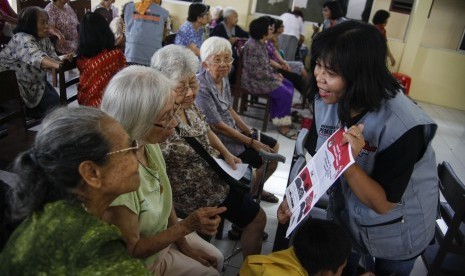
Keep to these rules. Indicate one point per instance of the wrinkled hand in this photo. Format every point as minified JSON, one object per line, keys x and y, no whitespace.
{"x":68,"y":57}
{"x":283,"y":213}
{"x":286,"y":66}
{"x":204,"y":220}
{"x":232,"y":160}
{"x":232,"y":39}
{"x":354,"y":137}
{"x":197,"y":255}
{"x":257,"y":145}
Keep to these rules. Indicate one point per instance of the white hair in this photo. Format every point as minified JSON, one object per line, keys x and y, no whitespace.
{"x":228,"y":11}
{"x":216,"y":12}
{"x":175,"y":62}
{"x":134,"y":97}
{"x":214,"y":45}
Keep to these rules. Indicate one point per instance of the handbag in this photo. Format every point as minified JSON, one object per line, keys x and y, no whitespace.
{"x":242,"y":185}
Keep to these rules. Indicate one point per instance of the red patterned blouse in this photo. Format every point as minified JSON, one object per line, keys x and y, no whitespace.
{"x":95,"y":73}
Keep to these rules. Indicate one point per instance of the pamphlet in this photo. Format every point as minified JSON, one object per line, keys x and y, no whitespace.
{"x":330,"y":161}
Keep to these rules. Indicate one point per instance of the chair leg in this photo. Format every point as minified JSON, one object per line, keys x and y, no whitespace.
{"x":267,"y":115}
{"x":54,"y":77}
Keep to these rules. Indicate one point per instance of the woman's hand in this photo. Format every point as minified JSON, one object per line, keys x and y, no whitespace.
{"x":68,"y":57}
{"x":354,"y":137}
{"x":283,"y":213}
{"x":232,"y":160}
{"x":204,"y":220}
{"x":286,"y":66}
{"x":257,"y":146}
{"x":196,"y":254}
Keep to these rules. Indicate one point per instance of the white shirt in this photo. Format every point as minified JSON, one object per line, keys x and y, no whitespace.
{"x":293,"y":25}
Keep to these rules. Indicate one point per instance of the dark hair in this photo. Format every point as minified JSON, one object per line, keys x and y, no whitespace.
{"x":321,"y":245}
{"x":94,"y":35}
{"x":335,"y":8}
{"x":196,"y":10}
{"x":357,"y":52}
{"x":258,"y":28}
{"x":27,"y":21}
{"x":48,"y":172}
{"x":278,"y":23}
{"x":105,"y":13}
{"x":298,"y":12}
{"x":381,"y":17}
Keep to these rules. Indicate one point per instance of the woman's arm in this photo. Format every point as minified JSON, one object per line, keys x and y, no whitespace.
{"x":367,"y":190}
{"x":204,"y":220}
{"x":54,"y":31}
{"x":194,"y":49}
{"x":50,"y":63}
{"x":239,"y":122}
{"x":218,"y":145}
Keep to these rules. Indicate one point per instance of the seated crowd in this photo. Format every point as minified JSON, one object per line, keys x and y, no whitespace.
{"x":105,"y":184}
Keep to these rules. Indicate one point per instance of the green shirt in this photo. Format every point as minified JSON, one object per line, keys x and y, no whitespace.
{"x":64,"y":239}
{"x":153,"y":201}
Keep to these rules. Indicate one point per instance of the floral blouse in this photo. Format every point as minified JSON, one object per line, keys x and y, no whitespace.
{"x":24,"y":54}
{"x":257,"y":74}
{"x":188,"y":35}
{"x":65,"y":20}
{"x":193,"y":182}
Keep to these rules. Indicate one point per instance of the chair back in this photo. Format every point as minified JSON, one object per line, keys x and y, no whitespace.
{"x":10,"y":98}
{"x":299,"y":155}
{"x":22,"y":4}
{"x":169,"y":39}
{"x":80,"y":7}
{"x":67,"y":65}
{"x":447,"y":255}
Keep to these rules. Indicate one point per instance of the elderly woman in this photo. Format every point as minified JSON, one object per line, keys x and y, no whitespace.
{"x":98,"y":59}
{"x":29,"y":53}
{"x":259,"y":77}
{"x":65,"y":185}
{"x":64,"y":25}
{"x":214,"y":100}
{"x":146,"y":217}
{"x":145,"y":27}
{"x":228,"y":28}
{"x":192,"y":31}
{"x":195,"y":184}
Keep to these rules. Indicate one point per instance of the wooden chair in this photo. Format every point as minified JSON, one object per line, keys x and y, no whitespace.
{"x":11,"y":103}
{"x":80,"y":7}
{"x":248,"y":99}
{"x":64,"y":84}
{"x":447,"y":255}
{"x":22,"y":4}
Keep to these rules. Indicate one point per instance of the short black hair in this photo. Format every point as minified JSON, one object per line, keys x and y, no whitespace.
{"x":381,"y":17}
{"x":196,"y":10}
{"x":321,"y":245}
{"x":94,"y":35}
{"x":357,"y":52}
{"x":258,"y":28}
{"x":335,"y":8}
{"x":278,"y":23}
{"x":27,"y":21}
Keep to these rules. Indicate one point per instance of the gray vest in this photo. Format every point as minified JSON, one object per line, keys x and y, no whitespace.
{"x":405,"y":231}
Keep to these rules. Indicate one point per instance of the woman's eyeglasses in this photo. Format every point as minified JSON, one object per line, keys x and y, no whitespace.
{"x":169,"y":119}
{"x":182,"y":90}
{"x":134,"y":147}
{"x":220,"y":61}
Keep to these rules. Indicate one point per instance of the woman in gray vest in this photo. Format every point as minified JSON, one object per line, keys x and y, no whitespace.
{"x":388,"y":199}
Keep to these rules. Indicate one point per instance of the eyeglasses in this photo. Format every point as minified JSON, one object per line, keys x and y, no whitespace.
{"x":134,"y":147}
{"x":182,"y":90}
{"x":225,"y":61}
{"x":170,"y":120}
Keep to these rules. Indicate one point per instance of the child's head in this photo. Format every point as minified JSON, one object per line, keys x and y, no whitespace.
{"x":322,"y":246}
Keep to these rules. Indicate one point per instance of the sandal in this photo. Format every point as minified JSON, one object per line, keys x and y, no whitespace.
{"x":235,"y":233}
{"x":268,"y":197}
{"x":289,"y":133}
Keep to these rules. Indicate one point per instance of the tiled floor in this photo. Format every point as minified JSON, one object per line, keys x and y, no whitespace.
{"x":449,"y":145}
